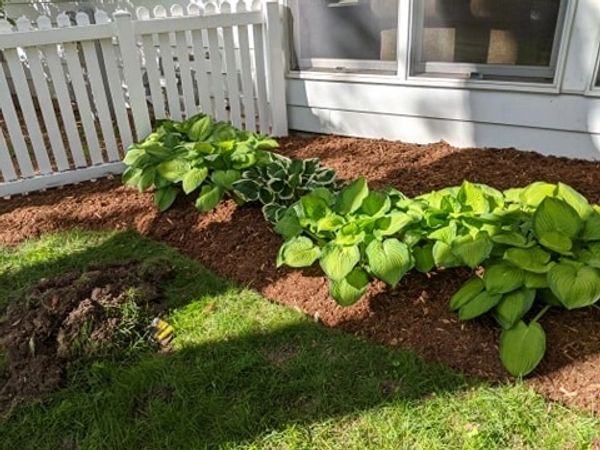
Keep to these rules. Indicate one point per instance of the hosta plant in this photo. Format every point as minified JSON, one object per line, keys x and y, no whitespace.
{"x":197,"y":155}
{"x":352,"y":236}
{"x":281,"y":182}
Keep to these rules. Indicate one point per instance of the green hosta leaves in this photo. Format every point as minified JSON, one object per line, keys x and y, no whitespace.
{"x":535,"y":280}
{"x":225,"y":178}
{"x":350,"y":289}
{"x":209,"y":198}
{"x":513,"y":307}
{"x":424,"y":258}
{"x":298,"y":252}
{"x":535,"y":193}
{"x":502,"y":278}
{"x":591,"y":255}
{"x":480,"y":304}
{"x":193,"y":179}
{"x":531,"y":259}
{"x":351,"y":198}
{"x":511,"y":238}
{"x":201,"y":129}
{"x":391,"y":224}
{"x":289,"y":226}
{"x":375,"y":204}
{"x":389,"y":260}
{"x":472,"y":250}
{"x":522,"y":348}
{"x":591,"y":229}
{"x":338,"y":261}
{"x":555,"y":216}
{"x":164,"y":197}
{"x":443,"y":256}
{"x":577,"y":201}
{"x":474,"y":198}
{"x":466,"y":293}
{"x":173,"y":170}
{"x":574,"y":284}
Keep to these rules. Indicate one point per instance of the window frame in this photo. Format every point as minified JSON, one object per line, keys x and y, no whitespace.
{"x":341,"y":65}
{"x":459,"y":70}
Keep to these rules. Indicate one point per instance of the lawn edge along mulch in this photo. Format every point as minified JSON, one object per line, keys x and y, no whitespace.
{"x":237,"y":243}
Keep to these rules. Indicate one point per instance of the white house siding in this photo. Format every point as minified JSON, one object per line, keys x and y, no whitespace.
{"x":562,"y":119}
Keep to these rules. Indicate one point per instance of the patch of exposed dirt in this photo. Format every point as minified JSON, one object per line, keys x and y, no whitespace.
{"x":75,"y":317}
{"x":237,"y":243}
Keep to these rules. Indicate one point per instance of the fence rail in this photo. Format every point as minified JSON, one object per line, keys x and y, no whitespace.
{"x":74,"y":97}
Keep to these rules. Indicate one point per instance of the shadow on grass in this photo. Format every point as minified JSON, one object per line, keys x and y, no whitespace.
{"x":241,"y":368}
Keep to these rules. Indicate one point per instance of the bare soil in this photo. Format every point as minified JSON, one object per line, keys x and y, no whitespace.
{"x":73,"y":318}
{"x":237,"y":243}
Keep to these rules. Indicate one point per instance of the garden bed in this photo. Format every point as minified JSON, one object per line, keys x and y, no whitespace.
{"x":237,"y":243}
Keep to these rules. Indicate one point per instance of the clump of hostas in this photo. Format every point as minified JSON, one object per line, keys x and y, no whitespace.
{"x":281,"y":182}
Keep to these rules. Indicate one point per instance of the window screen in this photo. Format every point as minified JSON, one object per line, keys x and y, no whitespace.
{"x":336,"y":33}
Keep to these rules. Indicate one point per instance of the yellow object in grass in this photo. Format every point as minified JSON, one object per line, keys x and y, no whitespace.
{"x":162,"y":332}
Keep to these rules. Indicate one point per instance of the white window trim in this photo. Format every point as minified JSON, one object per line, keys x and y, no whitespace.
{"x":339,"y":64}
{"x":403,"y":77}
{"x":593,"y":90}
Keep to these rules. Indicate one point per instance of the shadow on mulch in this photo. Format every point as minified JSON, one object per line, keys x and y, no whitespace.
{"x":237,"y":243}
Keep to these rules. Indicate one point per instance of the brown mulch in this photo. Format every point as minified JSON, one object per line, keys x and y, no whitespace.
{"x":75,"y":317}
{"x":237,"y":243}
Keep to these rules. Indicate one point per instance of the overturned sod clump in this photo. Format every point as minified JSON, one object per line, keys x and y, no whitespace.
{"x":102,"y":313}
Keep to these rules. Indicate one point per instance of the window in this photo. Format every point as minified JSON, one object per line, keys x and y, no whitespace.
{"x":345,"y":35}
{"x":487,"y":39}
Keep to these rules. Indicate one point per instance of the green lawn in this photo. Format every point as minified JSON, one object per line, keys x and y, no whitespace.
{"x":249,"y":374}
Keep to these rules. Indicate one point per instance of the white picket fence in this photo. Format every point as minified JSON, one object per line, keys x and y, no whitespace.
{"x":74,"y":97}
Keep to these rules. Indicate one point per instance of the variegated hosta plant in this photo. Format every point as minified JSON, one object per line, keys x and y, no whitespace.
{"x":281,"y":182}
{"x":195,"y":155}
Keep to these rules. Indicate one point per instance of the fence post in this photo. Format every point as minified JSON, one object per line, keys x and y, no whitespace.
{"x":132,"y":71}
{"x":276,"y":67}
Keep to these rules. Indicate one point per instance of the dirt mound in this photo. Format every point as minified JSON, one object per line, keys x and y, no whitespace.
{"x":76,"y":317}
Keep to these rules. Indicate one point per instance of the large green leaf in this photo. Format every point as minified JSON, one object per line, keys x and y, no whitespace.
{"x":424,"y":257}
{"x":471,"y":289}
{"x":288,"y":226}
{"x":200,"y":129}
{"x":531,"y":259}
{"x":554,"y":215}
{"x":536,"y":280}
{"x":193,"y":179}
{"x":392,"y":223}
{"x":472,"y":250}
{"x":480,"y":304}
{"x":173,"y":170}
{"x":315,"y":207}
{"x":591,"y":255}
{"x":351,"y":197}
{"x":577,"y":201}
{"x":209,"y":197}
{"x":513,"y":307}
{"x":389,"y":260}
{"x":132,"y":155}
{"x":298,"y":252}
{"x":146,"y":179}
{"x":575,"y":285}
{"x":591,"y":229}
{"x":445,"y":234}
{"x":443,"y":256}
{"x":557,"y":241}
{"x":501,"y":278}
{"x":225,"y":178}
{"x":376,"y":204}
{"x":473,"y":197}
{"x":164,"y":197}
{"x":511,"y":238}
{"x":522,"y":348}
{"x":537,"y":192}
{"x":338,"y":261}
{"x":350,"y":289}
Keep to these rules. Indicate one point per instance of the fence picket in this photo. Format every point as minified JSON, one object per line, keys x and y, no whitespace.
{"x":98,"y":92}
{"x":249,"y":111}
{"x":185,"y":69}
{"x":115,"y":85}
{"x":44,"y":100}
{"x":259,"y":79}
{"x":57,"y":77}
{"x":81,"y":95}
{"x":26,"y":103}
{"x":7,"y":168}
{"x":200,"y":65}
{"x":231,"y":71}
{"x":216,"y":66}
